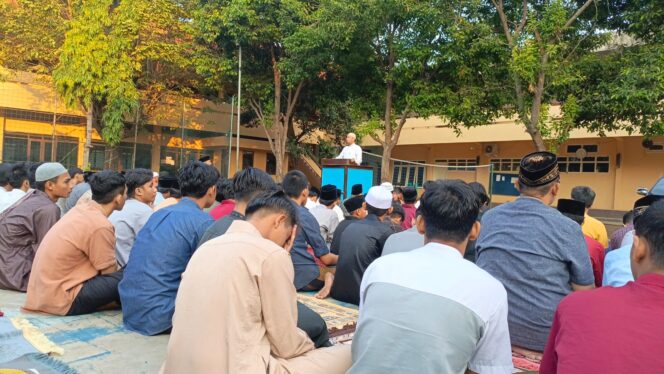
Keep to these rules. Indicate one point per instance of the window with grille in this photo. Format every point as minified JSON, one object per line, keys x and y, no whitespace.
{"x":459,"y":164}
{"x":407,"y":174}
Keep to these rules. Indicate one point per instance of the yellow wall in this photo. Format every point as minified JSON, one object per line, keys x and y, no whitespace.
{"x":615,"y":190}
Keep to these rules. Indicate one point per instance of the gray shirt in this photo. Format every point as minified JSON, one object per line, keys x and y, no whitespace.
{"x":328,"y":220}
{"x":403,"y":241}
{"x":128,"y":222}
{"x":536,"y":253}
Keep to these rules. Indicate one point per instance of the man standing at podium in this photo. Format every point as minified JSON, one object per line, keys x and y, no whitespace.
{"x":351,"y":151}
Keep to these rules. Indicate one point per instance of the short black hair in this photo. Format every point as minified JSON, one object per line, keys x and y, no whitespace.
{"x":73,"y":171}
{"x":4,"y":173}
{"x":397,"y":189}
{"x":650,"y":227}
{"x":294,"y":183}
{"x":375,"y":211}
{"x":18,"y":174}
{"x":224,"y":189}
{"x":427,"y":184}
{"x":411,"y":193}
{"x":628,"y":218}
{"x":32,"y":168}
{"x":397,"y":210}
{"x":249,"y":182}
{"x":106,"y":185}
{"x":134,"y":178}
{"x":273,"y":201}
{"x":195,"y":179}
{"x":449,"y":208}
{"x":480,"y":191}
{"x":314,"y":191}
{"x":584,"y":194}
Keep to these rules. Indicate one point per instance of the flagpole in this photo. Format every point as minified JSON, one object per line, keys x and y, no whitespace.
{"x":239,"y":99}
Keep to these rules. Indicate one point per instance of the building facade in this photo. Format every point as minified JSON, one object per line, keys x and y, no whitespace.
{"x":35,"y":125}
{"x":614,"y":165}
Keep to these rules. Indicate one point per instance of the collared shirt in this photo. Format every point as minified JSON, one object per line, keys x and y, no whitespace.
{"x":308,"y":234}
{"x":9,"y":198}
{"x":618,"y":236}
{"x":311,"y":204}
{"x":336,"y":240}
{"x":448,"y":314}
{"x":609,"y":330}
{"x":596,"y":252}
{"x":160,"y":254}
{"x":22,"y":228}
{"x":327,"y":220}
{"x":223,"y":209}
{"x":220,"y":227}
{"x":128,"y":222}
{"x":352,"y":152}
{"x":617,"y":265}
{"x":76,"y":249}
{"x":361,"y":243}
{"x":596,"y":230}
{"x":340,"y":212}
{"x":536,"y":253}
{"x":409,"y":214}
{"x":236,"y":308}
{"x":403,"y":241}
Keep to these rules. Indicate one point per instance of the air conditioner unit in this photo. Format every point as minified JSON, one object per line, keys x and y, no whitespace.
{"x":655,"y":148}
{"x":491,"y":149}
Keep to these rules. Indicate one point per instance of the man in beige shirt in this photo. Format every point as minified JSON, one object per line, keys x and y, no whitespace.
{"x":246,"y":320}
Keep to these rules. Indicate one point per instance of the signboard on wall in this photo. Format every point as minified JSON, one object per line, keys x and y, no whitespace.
{"x":504,"y":184}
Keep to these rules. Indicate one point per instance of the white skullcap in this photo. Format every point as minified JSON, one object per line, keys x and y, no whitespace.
{"x":379,"y":197}
{"x":388,"y":186}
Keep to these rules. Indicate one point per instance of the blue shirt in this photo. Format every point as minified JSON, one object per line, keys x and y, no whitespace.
{"x":160,"y":255}
{"x":308,"y":234}
{"x":617,"y":265}
{"x":535,"y":252}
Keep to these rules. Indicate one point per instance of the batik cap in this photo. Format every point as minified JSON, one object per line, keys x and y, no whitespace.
{"x":538,"y":169}
{"x":642,"y":204}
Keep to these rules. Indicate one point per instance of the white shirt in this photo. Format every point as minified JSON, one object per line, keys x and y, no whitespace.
{"x":455,"y":317}
{"x":310,"y":204}
{"x":339,"y":212}
{"x":8,"y":199}
{"x":352,"y":152}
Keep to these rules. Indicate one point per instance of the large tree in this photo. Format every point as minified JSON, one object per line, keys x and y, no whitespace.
{"x":283,"y":55}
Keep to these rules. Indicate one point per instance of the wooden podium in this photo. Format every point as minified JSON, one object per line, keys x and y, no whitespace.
{"x":344,"y":173}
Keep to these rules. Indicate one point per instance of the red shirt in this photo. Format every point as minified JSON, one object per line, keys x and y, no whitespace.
{"x":409,"y":213}
{"x":609,"y":330}
{"x":223,"y":209}
{"x":596,"y":252}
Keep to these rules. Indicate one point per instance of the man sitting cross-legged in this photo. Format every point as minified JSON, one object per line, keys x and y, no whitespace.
{"x":428,"y":310}
{"x":75,"y":271}
{"x":245,"y":321}
{"x":616,"y":329}
{"x":162,"y":250}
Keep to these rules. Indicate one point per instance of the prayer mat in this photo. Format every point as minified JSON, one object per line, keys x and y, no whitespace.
{"x":19,"y":337}
{"x":341,"y":320}
{"x":36,"y":363}
{"x":525,"y":359}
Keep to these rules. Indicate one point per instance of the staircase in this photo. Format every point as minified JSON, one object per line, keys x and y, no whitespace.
{"x":309,"y":167}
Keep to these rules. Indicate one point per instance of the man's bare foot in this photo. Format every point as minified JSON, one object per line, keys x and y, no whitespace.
{"x":325,"y":291}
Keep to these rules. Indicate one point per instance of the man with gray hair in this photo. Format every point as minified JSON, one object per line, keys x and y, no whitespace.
{"x":25,"y":224}
{"x":592,"y":227}
{"x":351,"y":151}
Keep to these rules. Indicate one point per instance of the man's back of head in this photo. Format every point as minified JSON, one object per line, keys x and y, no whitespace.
{"x":109,"y":188}
{"x":249,"y":182}
{"x":584,"y":194}
{"x":448,"y":211}
{"x":295,"y":183}
{"x":19,"y":177}
{"x":197,"y":181}
{"x":648,"y":248}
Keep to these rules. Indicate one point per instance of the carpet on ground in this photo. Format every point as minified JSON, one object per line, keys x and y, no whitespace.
{"x":341,"y":318}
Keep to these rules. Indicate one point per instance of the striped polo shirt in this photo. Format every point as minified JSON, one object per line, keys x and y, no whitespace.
{"x":431,"y":311}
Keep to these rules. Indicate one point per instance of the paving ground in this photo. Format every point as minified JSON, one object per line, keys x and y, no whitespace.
{"x":95,"y":343}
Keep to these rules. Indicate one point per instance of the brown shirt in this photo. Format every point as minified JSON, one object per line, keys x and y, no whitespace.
{"x":22,"y":228}
{"x":76,"y":249}
{"x":236,"y":310}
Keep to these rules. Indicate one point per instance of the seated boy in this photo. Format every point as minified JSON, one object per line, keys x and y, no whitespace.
{"x":445,"y":314}
{"x":246,"y":320}
{"x":75,"y":271}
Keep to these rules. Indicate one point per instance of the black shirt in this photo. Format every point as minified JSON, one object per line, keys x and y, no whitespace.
{"x":361,"y":243}
{"x":220,"y":227}
{"x":336,"y":239}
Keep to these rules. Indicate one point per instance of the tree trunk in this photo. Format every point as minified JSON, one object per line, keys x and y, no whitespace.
{"x":280,"y":167}
{"x":385,"y":165}
{"x":88,"y":136}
